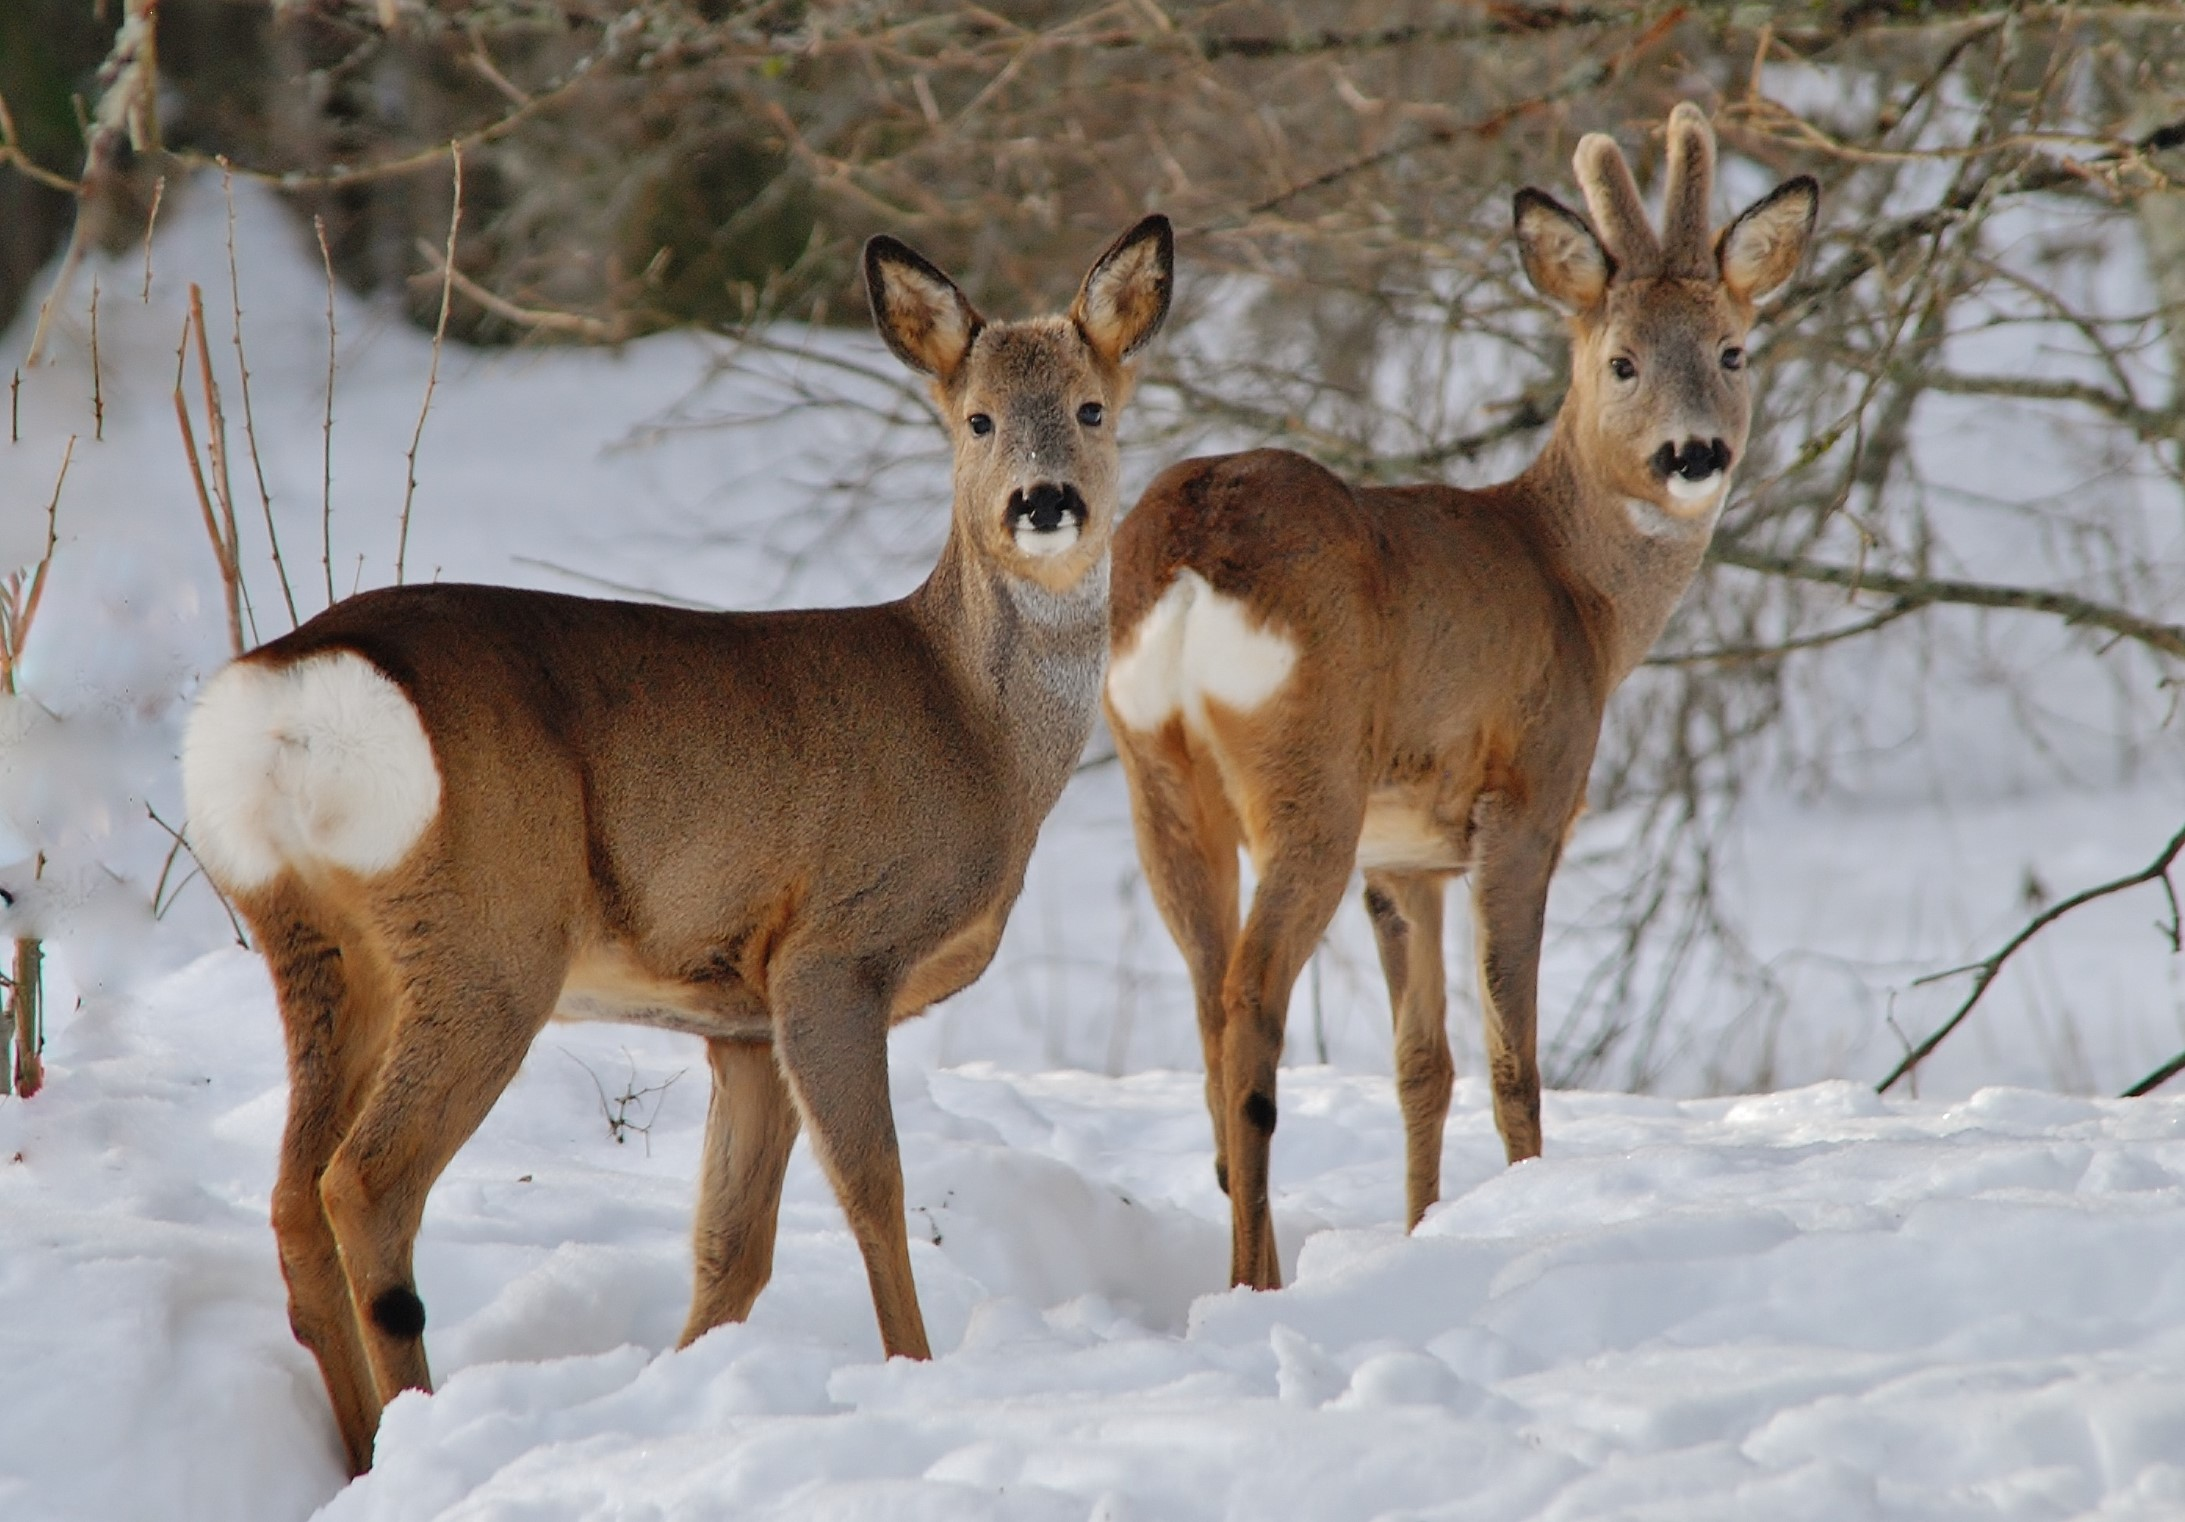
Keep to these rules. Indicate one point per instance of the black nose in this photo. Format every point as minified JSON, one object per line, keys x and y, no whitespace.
{"x":1046,"y":507}
{"x":1696,"y":461}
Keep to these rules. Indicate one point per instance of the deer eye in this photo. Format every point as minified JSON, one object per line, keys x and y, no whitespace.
{"x":1622,"y":368}
{"x":981,"y":424}
{"x":1089,"y":414}
{"x":1733,"y":358}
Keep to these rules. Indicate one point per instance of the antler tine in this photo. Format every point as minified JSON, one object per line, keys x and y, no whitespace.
{"x":1618,"y":214}
{"x":1687,"y":217}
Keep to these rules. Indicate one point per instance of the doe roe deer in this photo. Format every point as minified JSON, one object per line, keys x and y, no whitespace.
{"x":449,"y":812}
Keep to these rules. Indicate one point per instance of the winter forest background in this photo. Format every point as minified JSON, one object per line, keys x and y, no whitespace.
{"x":562,"y":294}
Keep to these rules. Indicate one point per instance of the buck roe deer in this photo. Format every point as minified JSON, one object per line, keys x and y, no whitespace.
{"x":451,"y":812}
{"x":1411,"y":679}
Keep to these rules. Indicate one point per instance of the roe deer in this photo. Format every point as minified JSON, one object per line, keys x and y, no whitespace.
{"x":449,"y":813}
{"x":1411,"y":679}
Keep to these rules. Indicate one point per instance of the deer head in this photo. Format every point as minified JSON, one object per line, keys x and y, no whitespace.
{"x":1659,"y":401}
{"x":1029,"y":405}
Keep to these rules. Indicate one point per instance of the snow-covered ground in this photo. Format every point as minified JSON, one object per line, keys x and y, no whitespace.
{"x":1811,"y":1303}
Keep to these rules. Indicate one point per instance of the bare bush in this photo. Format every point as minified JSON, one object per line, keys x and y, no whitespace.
{"x":1998,"y":270}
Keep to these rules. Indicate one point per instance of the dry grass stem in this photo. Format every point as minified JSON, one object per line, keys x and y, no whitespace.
{"x":250,"y":422}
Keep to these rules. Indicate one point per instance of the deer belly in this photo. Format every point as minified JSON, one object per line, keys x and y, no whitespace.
{"x":1401,"y":834}
{"x":609,"y":986}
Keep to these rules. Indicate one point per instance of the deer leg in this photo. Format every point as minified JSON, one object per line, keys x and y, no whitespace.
{"x":751,"y":1123}
{"x":1187,"y":839}
{"x":333,"y":1017}
{"x":1509,"y":907}
{"x":1407,"y":926}
{"x":1290,"y":910}
{"x":461,"y":1030}
{"x":831,"y":1032}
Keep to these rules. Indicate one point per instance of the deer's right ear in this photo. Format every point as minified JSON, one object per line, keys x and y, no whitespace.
{"x":926,"y":321}
{"x":1563,"y":259}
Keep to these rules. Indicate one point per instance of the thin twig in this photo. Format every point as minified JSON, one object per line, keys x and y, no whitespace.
{"x":432,"y":374}
{"x":326,"y":448}
{"x":1922,"y":590}
{"x":250,"y":424}
{"x":18,"y":606}
{"x":151,"y":221}
{"x":98,"y":395}
{"x":1985,"y":971}
{"x":2156,"y":1079}
{"x":242,"y":937}
{"x":1724,"y":654}
{"x":230,"y":580}
{"x":538,"y":319}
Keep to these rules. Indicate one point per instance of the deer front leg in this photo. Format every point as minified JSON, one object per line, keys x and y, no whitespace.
{"x":751,"y":1124}
{"x":1517,"y":856}
{"x":831,"y":1031}
{"x":1407,"y":926}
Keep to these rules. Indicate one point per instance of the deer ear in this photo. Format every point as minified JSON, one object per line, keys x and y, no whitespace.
{"x":1563,"y":259}
{"x":1761,"y":249}
{"x":926,"y":321}
{"x":1124,"y":299}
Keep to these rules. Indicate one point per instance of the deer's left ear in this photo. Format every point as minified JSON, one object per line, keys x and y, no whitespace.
{"x":1761,"y":249}
{"x":1124,"y":299}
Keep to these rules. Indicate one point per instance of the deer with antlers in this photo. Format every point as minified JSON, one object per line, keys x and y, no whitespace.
{"x":1410,"y":680}
{"x":449,"y":813}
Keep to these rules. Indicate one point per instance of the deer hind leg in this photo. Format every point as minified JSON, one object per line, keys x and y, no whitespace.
{"x":751,"y":1124}
{"x":1406,"y":911}
{"x":1187,"y":840}
{"x":831,"y":1032}
{"x":1307,"y":869}
{"x":334,"y":1016}
{"x":1517,"y":856}
{"x":463,"y":1022}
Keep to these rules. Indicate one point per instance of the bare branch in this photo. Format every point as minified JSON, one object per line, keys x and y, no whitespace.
{"x":1985,"y":971}
{"x":2169,"y":639}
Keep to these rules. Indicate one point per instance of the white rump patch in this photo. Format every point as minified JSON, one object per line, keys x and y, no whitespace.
{"x":1197,"y":645}
{"x":1053,"y":542}
{"x":324,"y":760}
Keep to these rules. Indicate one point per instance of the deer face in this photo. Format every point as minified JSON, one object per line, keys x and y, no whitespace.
{"x":1030,"y":406}
{"x":1660,"y":399}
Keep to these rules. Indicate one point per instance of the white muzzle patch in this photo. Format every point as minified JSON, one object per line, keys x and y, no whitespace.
{"x":324,"y":760}
{"x":1054,"y":541}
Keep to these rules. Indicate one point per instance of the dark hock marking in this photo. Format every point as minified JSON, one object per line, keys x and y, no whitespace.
{"x":1259,"y":1109}
{"x":1696,"y":461}
{"x":1383,"y":910}
{"x":1046,"y":507}
{"x":398,"y":1312}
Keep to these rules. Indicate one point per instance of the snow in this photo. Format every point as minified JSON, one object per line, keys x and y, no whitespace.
{"x":1808,"y":1303}
{"x":1812,"y":1303}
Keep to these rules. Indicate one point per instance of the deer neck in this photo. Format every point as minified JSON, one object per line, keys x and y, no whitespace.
{"x":1027,"y":660}
{"x":1628,"y":560}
